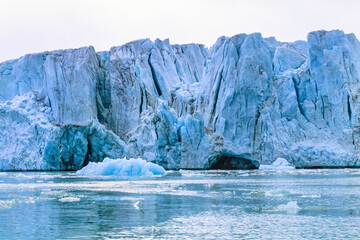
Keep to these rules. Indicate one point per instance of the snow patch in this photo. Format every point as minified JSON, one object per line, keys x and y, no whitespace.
{"x":29,"y":106}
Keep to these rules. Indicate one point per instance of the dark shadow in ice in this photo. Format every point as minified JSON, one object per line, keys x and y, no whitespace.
{"x":233,"y":162}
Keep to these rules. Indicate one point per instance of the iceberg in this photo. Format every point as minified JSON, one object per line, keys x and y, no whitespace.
{"x":122,"y":168}
{"x":279,"y":164}
{"x":291,"y":207}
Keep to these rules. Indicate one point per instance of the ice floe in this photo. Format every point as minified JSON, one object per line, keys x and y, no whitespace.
{"x":69,"y":199}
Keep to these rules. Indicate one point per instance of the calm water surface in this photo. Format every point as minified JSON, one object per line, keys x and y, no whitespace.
{"x":294,"y":204}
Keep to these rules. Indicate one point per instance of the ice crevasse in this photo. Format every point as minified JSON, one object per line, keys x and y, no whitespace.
{"x":244,"y":102}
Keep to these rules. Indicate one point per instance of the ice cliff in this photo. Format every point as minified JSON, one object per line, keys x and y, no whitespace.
{"x":246,"y":101}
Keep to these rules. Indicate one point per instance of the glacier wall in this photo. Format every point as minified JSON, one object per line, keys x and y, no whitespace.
{"x":246,"y":101}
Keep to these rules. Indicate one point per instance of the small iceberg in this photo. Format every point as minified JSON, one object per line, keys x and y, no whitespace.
{"x":69,"y":199}
{"x":277,"y":193}
{"x":138,"y":205}
{"x":290,"y":207}
{"x":122,"y":168}
{"x":279,"y":164}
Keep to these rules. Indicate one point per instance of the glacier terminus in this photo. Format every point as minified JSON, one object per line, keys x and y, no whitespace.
{"x":245,"y":101}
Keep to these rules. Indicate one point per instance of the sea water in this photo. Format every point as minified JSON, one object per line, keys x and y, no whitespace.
{"x":254,"y":204}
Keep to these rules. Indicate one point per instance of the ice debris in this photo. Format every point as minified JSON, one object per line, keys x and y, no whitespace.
{"x":69,"y":199}
{"x":290,"y":207}
{"x":279,"y":164}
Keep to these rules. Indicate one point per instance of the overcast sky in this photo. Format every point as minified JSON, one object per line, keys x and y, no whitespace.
{"x":39,"y":25}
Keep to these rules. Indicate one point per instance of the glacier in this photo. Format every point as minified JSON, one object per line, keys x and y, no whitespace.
{"x":244,"y":102}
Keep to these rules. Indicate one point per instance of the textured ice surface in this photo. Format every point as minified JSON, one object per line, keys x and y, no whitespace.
{"x":30,"y":141}
{"x":122,"y":168}
{"x":247,"y":99}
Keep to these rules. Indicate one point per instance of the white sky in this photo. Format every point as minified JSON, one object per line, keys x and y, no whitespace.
{"x":39,"y":25}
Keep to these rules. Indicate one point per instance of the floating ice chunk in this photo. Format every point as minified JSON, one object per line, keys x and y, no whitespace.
{"x":290,"y":207}
{"x":131,"y":199}
{"x":279,"y":164}
{"x":277,"y":193}
{"x":29,"y":200}
{"x":138,"y":205}
{"x":310,"y":196}
{"x":6,"y":203}
{"x":69,"y":199}
{"x":22,"y":176}
{"x":122,"y":168}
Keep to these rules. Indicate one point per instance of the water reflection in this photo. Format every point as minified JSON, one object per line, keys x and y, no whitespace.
{"x":194,"y":204}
